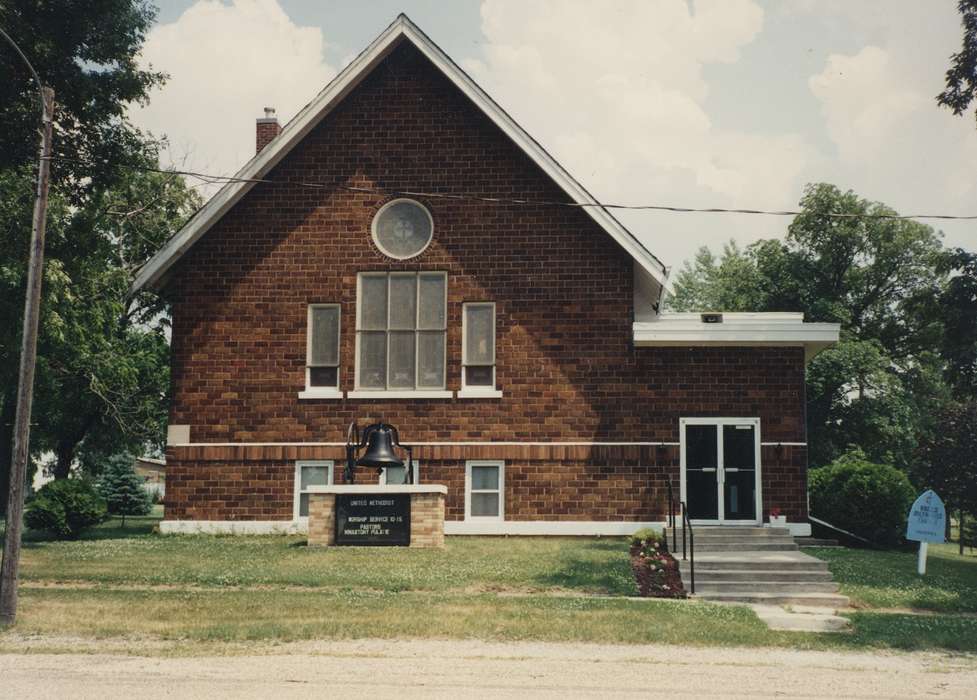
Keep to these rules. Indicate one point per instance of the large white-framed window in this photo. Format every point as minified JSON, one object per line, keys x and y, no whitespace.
{"x":310,"y":472}
{"x":322,"y":350}
{"x":401,"y":331}
{"x":478,"y":349}
{"x":394,"y":476}
{"x":484,"y":490}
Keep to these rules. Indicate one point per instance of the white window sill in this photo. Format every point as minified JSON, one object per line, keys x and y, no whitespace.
{"x":399,"y":394}
{"x":321,"y":393}
{"x":479,"y":393}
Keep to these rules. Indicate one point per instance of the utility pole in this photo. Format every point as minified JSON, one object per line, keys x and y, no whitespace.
{"x":28,"y":358}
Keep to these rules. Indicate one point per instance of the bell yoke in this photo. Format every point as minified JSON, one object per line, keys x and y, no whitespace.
{"x":380,"y":441}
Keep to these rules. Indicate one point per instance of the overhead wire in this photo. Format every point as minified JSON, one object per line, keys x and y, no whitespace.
{"x":213,"y":179}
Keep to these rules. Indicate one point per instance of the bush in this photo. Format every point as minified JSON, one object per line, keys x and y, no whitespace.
{"x":123,"y":490}
{"x":870,"y":500}
{"x":65,"y":508}
{"x":646,"y":534}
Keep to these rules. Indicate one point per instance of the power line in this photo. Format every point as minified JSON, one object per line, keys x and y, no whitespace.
{"x":37,"y":78}
{"x":228,"y":179}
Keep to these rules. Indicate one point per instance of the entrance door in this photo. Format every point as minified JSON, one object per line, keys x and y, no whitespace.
{"x":721,"y":469}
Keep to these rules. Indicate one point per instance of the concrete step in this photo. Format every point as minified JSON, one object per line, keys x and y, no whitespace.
{"x":704,"y":575}
{"x":720,"y":541}
{"x":735,"y":532}
{"x":740,"y":547}
{"x":754,"y":561}
{"x":832,"y":600}
{"x":816,"y":542}
{"x":705,"y":587}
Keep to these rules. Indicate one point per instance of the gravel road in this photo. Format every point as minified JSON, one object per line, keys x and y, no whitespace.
{"x":470,"y":669}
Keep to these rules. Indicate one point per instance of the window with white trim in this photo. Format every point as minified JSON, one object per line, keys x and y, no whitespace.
{"x":394,"y":476}
{"x":322,"y":347}
{"x":309,"y":473}
{"x":478,"y":345}
{"x":401,"y":323}
{"x":484,"y":490}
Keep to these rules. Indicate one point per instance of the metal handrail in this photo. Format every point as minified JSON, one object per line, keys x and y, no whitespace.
{"x":671,"y":514}
{"x":687,"y":526}
{"x":687,"y":553}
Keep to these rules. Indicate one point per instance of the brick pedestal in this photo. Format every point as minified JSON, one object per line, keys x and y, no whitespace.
{"x":426,"y":512}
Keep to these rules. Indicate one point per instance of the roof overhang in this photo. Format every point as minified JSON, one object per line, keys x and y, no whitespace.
{"x":153,"y":273}
{"x":737,"y":329}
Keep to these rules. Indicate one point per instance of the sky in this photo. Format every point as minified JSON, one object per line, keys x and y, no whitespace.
{"x":704,"y":103}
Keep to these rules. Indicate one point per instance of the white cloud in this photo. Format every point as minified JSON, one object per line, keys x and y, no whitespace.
{"x":864,"y":102}
{"x":894,"y":144}
{"x":619,"y":94}
{"x":227,"y":62}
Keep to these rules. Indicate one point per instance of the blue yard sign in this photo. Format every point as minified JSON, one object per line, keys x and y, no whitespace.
{"x":927,"y":523}
{"x":927,"y":519}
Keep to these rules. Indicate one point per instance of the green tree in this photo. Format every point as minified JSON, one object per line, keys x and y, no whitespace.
{"x":881,"y":279}
{"x":947,"y":461}
{"x":961,"y":78}
{"x":957,"y":305}
{"x":730,"y":283}
{"x":87,"y":51}
{"x":123,"y":490}
{"x":65,"y":508}
{"x":102,"y":372}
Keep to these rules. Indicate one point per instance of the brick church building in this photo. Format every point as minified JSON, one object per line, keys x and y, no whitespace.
{"x":372,"y":262}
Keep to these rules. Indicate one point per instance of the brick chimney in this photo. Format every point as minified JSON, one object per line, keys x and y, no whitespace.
{"x":267,"y":129}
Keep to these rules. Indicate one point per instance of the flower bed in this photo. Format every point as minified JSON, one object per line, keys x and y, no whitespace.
{"x":655,"y":569}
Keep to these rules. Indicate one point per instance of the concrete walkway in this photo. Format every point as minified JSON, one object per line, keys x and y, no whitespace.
{"x":471,"y":669}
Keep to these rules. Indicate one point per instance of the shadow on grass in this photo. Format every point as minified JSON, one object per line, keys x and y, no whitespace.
{"x":600,"y":573}
{"x":112,"y":529}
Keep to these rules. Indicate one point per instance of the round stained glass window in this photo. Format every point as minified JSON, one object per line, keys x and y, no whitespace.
{"x":402,"y":228}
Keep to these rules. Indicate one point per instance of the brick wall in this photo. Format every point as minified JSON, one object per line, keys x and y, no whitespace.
{"x":603,"y":489}
{"x":563,"y":294}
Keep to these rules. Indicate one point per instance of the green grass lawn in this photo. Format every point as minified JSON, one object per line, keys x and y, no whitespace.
{"x":111,"y":555}
{"x":132,"y":584}
{"x":888,"y":579}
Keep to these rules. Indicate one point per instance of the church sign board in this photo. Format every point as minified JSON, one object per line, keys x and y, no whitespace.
{"x":373,"y":519}
{"x":927,"y":523}
{"x":927,"y":519}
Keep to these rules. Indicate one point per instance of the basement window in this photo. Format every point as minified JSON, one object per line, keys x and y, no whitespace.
{"x":307,"y":474}
{"x":484,"y":490}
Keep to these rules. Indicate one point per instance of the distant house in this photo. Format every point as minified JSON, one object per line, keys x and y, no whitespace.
{"x":413,"y":256}
{"x":153,"y":473}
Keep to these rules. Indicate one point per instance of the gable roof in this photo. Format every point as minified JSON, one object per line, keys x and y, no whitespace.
{"x":153,"y":273}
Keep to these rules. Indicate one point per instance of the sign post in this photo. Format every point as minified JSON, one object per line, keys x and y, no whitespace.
{"x":927,"y":523}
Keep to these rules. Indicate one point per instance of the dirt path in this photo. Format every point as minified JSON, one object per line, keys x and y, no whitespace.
{"x":378,"y":669}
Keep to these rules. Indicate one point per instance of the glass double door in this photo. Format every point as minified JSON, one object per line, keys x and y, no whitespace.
{"x":720,"y":470}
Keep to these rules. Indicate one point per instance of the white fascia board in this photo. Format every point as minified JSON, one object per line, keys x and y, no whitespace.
{"x":765,"y":317}
{"x":754,"y":330}
{"x":451,"y":527}
{"x":359,"y":489}
{"x":564,"y":528}
{"x":153,"y":272}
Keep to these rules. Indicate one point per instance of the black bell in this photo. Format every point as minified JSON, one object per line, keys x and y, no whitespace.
{"x":380,"y":439}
